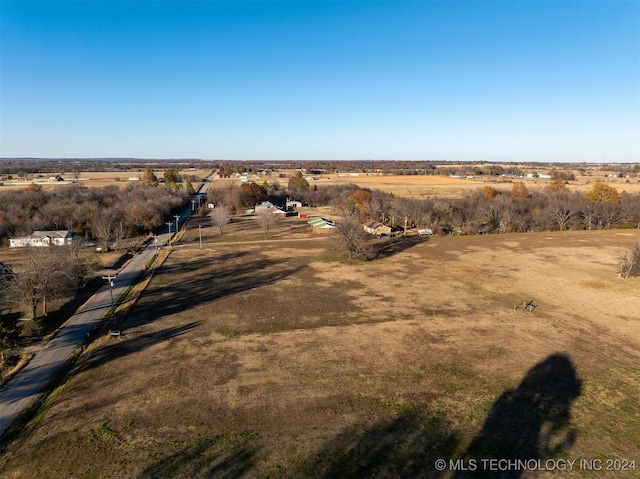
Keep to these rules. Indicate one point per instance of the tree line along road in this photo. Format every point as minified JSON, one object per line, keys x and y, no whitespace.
{"x":23,"y":388}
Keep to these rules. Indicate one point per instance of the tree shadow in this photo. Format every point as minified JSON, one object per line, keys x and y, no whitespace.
{"x":221,"y":457}
{"x":122,"y":347}
{"x":407,"y":445}
{"x":205,"y":285}
{"x":167,"y":296}
{"x":530,"y":422}
{"x":396,"y":245}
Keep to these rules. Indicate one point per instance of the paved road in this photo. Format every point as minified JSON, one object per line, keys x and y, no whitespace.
{"x":18,"y":393}
{"x":23,"y":388}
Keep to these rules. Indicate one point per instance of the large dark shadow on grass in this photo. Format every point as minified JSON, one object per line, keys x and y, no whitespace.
{"x":396,"y":245}
{"x":401,"y":447}
{"x":530,"y":422}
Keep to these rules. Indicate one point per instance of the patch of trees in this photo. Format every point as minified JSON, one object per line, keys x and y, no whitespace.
{"x":487,"y":210}
{"x":105,"y":215}
{"x":45,"y":274}
{"x":236,"y":198}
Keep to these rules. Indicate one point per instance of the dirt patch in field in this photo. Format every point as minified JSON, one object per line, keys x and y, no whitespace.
{"x":277,"y":361}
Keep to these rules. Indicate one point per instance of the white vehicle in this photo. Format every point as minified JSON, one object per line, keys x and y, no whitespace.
{"x":426,"y":231}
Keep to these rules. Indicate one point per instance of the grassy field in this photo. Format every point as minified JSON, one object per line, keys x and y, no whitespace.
{"x":246,"y":358}
{"x":419,"y":187}
{"x":95,"y":179}
{"x":429,"y":186}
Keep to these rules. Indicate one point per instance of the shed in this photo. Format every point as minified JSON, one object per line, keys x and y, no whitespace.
{"x":321,"y":224}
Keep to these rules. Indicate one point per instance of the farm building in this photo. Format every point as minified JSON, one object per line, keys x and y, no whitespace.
{"x":321,"y":225}
{"x":292,"y":205}
{"x":42,"y":238}
{"x":268,"y":207}
{"x":376,"y":228}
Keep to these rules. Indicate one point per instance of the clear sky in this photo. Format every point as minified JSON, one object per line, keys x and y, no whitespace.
{"x":422,"y":80}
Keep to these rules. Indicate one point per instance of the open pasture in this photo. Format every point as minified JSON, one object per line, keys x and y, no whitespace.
{"x":432,"y":186}
{"x":429,"y":186}
{"x":94,"y":179}
{"x":275,"y":360}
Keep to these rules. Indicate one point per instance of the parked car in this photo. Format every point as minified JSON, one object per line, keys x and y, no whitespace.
{"x":426,"y":231}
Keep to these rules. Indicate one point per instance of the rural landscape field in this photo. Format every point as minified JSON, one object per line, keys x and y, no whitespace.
{"x":320,"y":239}
{"x":252,"y":357}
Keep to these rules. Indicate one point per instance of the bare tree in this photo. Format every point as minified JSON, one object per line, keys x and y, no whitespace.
{"x":119,"y":232}
{"x":350,"y":240}
{"x":44,"y":273}
{"x":220,"y":216}
{"x":268,"y":221}
{"x":102,"y":225}
{"x":561,"y":212}
{"x":630,"y":263}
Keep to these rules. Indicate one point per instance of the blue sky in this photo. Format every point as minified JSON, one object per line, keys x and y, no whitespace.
{"x":429,"y":80}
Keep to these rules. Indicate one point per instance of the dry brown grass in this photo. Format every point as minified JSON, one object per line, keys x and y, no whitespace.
{"x":275,"y":360}
{"x":421,"y":187}
{"x":95,"y":179}
{"x":429,"y":186}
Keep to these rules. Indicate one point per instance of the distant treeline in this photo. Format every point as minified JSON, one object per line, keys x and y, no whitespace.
{"x":71,"y":167}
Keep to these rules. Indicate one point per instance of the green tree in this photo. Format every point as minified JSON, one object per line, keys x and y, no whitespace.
{"x":171,"y":176}
{"x":297,"y":182}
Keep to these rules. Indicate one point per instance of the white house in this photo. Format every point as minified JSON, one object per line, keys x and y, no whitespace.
{"x":292,"y":205}
{"x":42,"y":238}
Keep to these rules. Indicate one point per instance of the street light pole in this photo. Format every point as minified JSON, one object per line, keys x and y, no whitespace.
{"x":169,"y":223}
{"x":110,"y":280}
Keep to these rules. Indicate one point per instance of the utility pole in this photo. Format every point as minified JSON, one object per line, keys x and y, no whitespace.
{"x":110,"y":279}
{"x":177,"y":217}
{"x":193,"y":205}
{"x":169,"y":223}
{"x":405,"y":226}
